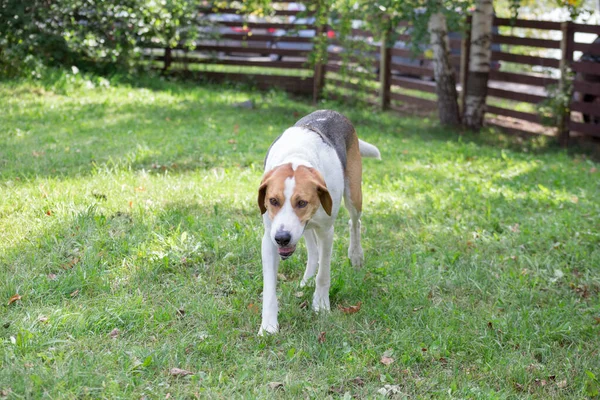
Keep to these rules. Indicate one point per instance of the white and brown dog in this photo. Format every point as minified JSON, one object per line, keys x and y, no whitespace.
{"x":308,"y":169}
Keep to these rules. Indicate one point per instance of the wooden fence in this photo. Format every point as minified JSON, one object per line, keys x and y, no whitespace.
{"x":274,"y":52}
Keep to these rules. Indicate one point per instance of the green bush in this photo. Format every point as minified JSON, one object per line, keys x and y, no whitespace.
{"x":103,"y":36}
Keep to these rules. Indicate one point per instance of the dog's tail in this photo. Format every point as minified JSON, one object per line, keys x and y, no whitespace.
{"x":368,"y":150}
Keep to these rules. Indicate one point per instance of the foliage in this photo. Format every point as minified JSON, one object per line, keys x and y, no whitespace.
{"x":100,"y":35}
{"x":133,"y":207}
{"x":557,"y":103}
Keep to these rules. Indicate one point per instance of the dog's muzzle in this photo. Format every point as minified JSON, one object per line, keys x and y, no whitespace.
{"x":286,"y":252}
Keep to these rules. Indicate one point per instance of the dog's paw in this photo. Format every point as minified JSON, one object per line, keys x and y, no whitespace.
{"x":268,"y":329}
{"x":321,"y":301}
{"x":356,"y":256}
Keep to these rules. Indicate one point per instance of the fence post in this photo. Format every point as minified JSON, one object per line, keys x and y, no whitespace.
{"x":566,"y":49}
{"x":385,"y":71}
{"x":465,"y":55}
{"x":168,"y":59}
{"x":319,"y":73}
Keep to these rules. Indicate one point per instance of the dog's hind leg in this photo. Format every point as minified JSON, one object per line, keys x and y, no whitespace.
{"x":313,"y":256}
{"x":353,"y":203}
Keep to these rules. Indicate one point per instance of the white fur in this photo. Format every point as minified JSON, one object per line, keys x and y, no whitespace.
{"x":368,"y":150}
{"x":300,"y":146}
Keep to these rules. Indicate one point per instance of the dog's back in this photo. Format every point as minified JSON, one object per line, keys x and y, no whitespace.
{"x":335,"y":129}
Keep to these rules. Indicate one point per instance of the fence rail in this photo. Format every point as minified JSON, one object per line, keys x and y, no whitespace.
{"x":400,"y":79}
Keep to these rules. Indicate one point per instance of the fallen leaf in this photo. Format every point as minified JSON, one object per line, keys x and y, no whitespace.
{"x":515,"y":228}
{"x":389,"y":390}
{"x":72,"y":262}
{"x":275,"y":385}
{"x":418,"y":308}
{"x":562,"y":384}
{"x":114,"y":333}
{"x":321,"y":337}
{"x":253,"y":308}
{"x":336,"y":389}
{"x":28,"y":365}
{"x":49,"y":213}
{"x":575,"y":199}
{"x":168,"y":396}
{"x":443,"y":360}
{"x":424,"y":349}
{"x":358,"y":381}
{"x":281,"y":277}
{"x":180,"y":372}
{"x":232,"y":141}
{"x":351,"y":309}
{"x":385,"y":360}
{"x":539,"y":382}
{"x":304,"y":305}
{"x":4,"y":392}
{"x":140,"y":189}
{"x":52,"y":276}
{"x":597,"y":319}
{"x":181,"y":313}
{"x":518,"y":386}
{"x":593,"y":169}
{"x":299,"y":294}
{"x":236,"y":128}
{"x":43,"y":318}
{"x":75,"y":293}
{"x":14,"y":298}
{"x":490,"y":325}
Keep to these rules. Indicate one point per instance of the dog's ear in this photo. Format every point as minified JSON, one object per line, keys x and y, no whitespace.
{"x":262,"y":192}
{"x":322,"y":191}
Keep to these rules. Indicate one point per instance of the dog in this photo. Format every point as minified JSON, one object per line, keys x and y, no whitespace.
{"x":308,"y":169}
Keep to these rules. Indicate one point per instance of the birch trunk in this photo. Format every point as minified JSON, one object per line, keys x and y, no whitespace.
{"x":445,"y":86}
{"x":479,"y":65}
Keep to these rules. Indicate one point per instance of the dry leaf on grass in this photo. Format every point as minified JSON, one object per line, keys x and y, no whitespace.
{"x":385,"y":360}
{"x":75,"y":293}
{"x":304,"y":305}
{"x":114,"y":333}
{"x":180,"y":372}
{"x":275,"y":385}
{"x":299,"y":294}
{"x":389,"y":390}
{"x":351,"y":309}
{"x":253,"y":308}
{"x":562,"y":384}
{"x":14,"y":298}
{"x":43,"y":318}
{"x":321,"y":337}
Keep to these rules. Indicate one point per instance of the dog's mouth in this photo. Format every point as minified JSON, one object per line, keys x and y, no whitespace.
{"x":286,"y":252}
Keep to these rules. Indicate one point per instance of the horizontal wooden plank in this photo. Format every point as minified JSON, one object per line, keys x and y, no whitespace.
{"x":587,"y":28}
{"x":413,"y":84}
{"x":516,"y":96}
{"x":586,"y":67}
{"x":529,"y":60}
{"x":523,"y":23}
{"x":267,"y":25}
{"x":411,"y":70}
{"x":586,"y":108}
{"x":525,"y":79}
{"x":242,"y":63}
{"x":454,"y":43}
{"x":412,"y":100}
{"x":265,"y":38}
{"x":353,"y":59}
{"x":293,"y":84}
{"x":521,"y":41}
{"x":586,"y":87}
{"x":513,"y":113}
{"x":585,"y":129}
{"x":589,"y":48}
{"x":225,"y":10}
{"x":253,"y":50}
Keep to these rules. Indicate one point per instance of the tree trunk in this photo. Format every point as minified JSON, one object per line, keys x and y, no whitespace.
{"x":479,"y":65}
{"x":445,"y":86}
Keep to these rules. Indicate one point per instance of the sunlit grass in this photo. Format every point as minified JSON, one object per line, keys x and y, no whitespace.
{"x":133,"y":207}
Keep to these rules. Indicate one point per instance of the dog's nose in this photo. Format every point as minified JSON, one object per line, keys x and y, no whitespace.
{"x":283,"y":238}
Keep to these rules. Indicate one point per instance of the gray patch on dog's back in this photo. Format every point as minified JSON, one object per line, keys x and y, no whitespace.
{"x":335,"y":130}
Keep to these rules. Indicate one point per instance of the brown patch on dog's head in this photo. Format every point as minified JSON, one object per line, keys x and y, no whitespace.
{"x":272,"y":187}
{"x":310,"y":192}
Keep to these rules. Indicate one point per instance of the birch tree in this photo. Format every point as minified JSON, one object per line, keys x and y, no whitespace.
{"x":444,"y":73}
{"x":479,"y":65}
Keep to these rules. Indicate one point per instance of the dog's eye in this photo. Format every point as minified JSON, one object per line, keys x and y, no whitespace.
{"x":273,"y":202}
{"x":302,"y":203}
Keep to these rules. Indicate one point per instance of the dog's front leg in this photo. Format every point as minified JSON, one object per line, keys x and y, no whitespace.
{"x":323,"y":281}
{"x":270,"y":262}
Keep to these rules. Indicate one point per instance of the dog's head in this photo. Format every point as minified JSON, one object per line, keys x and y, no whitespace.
{"x":292,"y":197}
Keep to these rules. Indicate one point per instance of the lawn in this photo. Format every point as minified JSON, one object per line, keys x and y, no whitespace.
{"x":130,"y":230}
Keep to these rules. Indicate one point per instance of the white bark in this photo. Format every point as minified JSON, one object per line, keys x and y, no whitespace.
{"x":479,"y":64}
{"x":443,"y":71}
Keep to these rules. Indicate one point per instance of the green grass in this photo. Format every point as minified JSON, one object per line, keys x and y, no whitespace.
{"x":134,"y":208}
